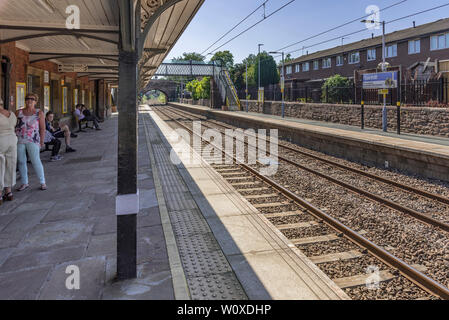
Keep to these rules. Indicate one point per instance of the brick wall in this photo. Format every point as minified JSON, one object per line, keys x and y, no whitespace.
{"x":420,"y":120}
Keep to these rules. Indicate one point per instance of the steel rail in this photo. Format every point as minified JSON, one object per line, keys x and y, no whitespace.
{"x":418,"y":215}
{"x":421,"y":192}
{"x":405,"y":269}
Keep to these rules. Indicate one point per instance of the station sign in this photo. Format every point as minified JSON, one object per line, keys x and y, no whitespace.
{"x":282,"y":84}
{"x":72,"y":68}
{"x":381,"y":80}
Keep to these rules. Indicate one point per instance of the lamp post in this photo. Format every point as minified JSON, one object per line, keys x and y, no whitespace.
{"x":282,"y":80}
{"x":259,"y":45}
{"x":246,"y":81}
{"x":383,"y":68}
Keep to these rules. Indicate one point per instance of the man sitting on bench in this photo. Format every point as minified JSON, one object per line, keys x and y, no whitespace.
{"x":81,"y":118}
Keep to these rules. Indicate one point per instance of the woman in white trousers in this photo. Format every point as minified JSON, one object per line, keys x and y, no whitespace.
{"x":8,"y":153}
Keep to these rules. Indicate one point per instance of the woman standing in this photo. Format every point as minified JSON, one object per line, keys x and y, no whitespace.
{"x":30,"y":131}
{"x":8,"y":153}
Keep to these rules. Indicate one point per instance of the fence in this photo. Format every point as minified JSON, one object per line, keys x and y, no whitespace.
{"x":418,"y":92}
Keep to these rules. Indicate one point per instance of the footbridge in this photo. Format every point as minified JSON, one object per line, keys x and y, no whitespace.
{"x":220,"y":76}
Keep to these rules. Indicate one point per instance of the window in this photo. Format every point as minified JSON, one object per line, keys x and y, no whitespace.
{"x":305,"y":67}
{"x":439,"y":42}
{"x":354,"y":57}
{"x":297,"y":68}
{"x":371,"y":54}
{"x":414,"y":46}
{"x":316,"y":65}
{"x":339,"y":60}
{"x":288,"y":70}
{"x":327,"y":63}
{"x":391,"y":51}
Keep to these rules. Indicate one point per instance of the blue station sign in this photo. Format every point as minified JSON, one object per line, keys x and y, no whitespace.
{"x":381,"y":80}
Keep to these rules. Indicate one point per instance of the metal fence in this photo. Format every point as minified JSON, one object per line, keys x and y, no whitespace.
{"x":414,"y":93}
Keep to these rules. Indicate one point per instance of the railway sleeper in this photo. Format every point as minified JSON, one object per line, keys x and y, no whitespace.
{"x":362,"y":279}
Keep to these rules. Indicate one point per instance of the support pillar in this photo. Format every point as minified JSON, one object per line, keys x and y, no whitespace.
{"x":127,"y":202}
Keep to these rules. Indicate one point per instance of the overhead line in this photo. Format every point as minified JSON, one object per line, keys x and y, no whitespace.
{"x":364,"y":29}
{"x":253,"y":25}
{"x":342,"y":25}
{"x":233,"y":28}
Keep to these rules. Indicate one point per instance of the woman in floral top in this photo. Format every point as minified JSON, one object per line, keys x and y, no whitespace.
{"x":30,"y":131}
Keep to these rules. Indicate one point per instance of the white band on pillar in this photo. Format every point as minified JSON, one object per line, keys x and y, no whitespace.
{"x":127,"y":204}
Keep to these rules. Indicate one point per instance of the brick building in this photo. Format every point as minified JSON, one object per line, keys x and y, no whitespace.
{"x":58,"y":91}
{"x":404,"y":49}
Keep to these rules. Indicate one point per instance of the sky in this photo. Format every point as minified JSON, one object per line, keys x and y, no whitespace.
{"x":297,"y":21}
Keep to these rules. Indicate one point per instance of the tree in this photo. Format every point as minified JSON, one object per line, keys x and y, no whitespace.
{"x":200,"y":89}
{"x":238,"y":75}
{"x":336,"y":89}
{"x":226,"y":58}
{"x":269,"y":73}
{"x":187,"y":56}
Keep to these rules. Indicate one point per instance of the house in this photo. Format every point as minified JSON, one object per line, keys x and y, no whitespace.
{"x":405,"y":50}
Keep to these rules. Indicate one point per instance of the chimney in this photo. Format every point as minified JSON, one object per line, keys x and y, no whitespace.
{"x":414,"y":24}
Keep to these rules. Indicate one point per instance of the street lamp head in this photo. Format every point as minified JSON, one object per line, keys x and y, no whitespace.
{"x":368,"y":21}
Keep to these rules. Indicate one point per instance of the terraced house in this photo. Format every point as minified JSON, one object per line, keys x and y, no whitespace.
{"x":420,"y":53}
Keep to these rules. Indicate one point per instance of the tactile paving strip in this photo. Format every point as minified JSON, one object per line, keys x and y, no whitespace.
{"x":193,"y":225}
{"x":206,"y":263}
{"x":218,"y":287}
{"x":208,"y":273}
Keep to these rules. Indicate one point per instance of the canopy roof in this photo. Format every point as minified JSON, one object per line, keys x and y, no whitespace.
{"x":39,"y":27}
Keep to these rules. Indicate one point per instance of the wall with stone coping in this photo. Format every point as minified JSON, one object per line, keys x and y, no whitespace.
{"x":201,"y":102}
{"x":421,"y":120}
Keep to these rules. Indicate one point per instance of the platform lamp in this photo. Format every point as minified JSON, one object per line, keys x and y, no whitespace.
{"x":259,"y":45}
{"x":282,"y":79}
{"x":383,"y":68}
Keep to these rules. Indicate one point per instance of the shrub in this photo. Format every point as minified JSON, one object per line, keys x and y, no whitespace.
{"x":336,"y":89}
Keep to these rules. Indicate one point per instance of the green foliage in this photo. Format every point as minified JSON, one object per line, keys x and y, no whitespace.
{"x":187,"y":56}
{"x":162,"y":98}
{"x":237,"y":73}
{"x":336,"y":89}
{"x":200,"y":89}
{"x":269,"y":73}
{"x":226,"y":58}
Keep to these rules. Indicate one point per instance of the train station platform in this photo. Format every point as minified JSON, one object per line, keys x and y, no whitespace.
{"x":421,"y":155}
{"x":197,"y":238}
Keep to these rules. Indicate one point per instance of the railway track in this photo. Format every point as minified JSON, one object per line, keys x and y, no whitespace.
{"x":426,"y":218}
{"x":334,"y":243}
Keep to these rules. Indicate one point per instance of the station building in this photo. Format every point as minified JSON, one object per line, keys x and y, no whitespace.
{"x":58,"y":91}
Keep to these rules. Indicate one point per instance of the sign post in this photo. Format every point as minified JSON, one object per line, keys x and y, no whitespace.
{"x":282,"y":91}
{"x":261,"y":96}
{"x":384,"y":81}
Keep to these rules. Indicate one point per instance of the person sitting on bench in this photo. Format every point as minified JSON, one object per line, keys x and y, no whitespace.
{"x":50,"y":140}
{"x":62,"y":132}
{"x":81,"y":117}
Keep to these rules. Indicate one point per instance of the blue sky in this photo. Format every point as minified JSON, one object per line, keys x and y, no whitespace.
{"x":299,"y":20}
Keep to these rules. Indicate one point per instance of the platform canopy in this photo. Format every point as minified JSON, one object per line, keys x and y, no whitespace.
{"x":39,"y":27}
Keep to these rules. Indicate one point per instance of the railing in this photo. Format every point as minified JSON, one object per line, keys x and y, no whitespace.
{"x":196,"y":69}
{"x":418,"y":92}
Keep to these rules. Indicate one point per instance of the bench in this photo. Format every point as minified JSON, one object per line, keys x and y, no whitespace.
{"x":80,"y":123}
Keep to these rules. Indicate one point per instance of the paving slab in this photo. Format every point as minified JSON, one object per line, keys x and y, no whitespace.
{"x":252,"y":246}
{"x":92,"y":279}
